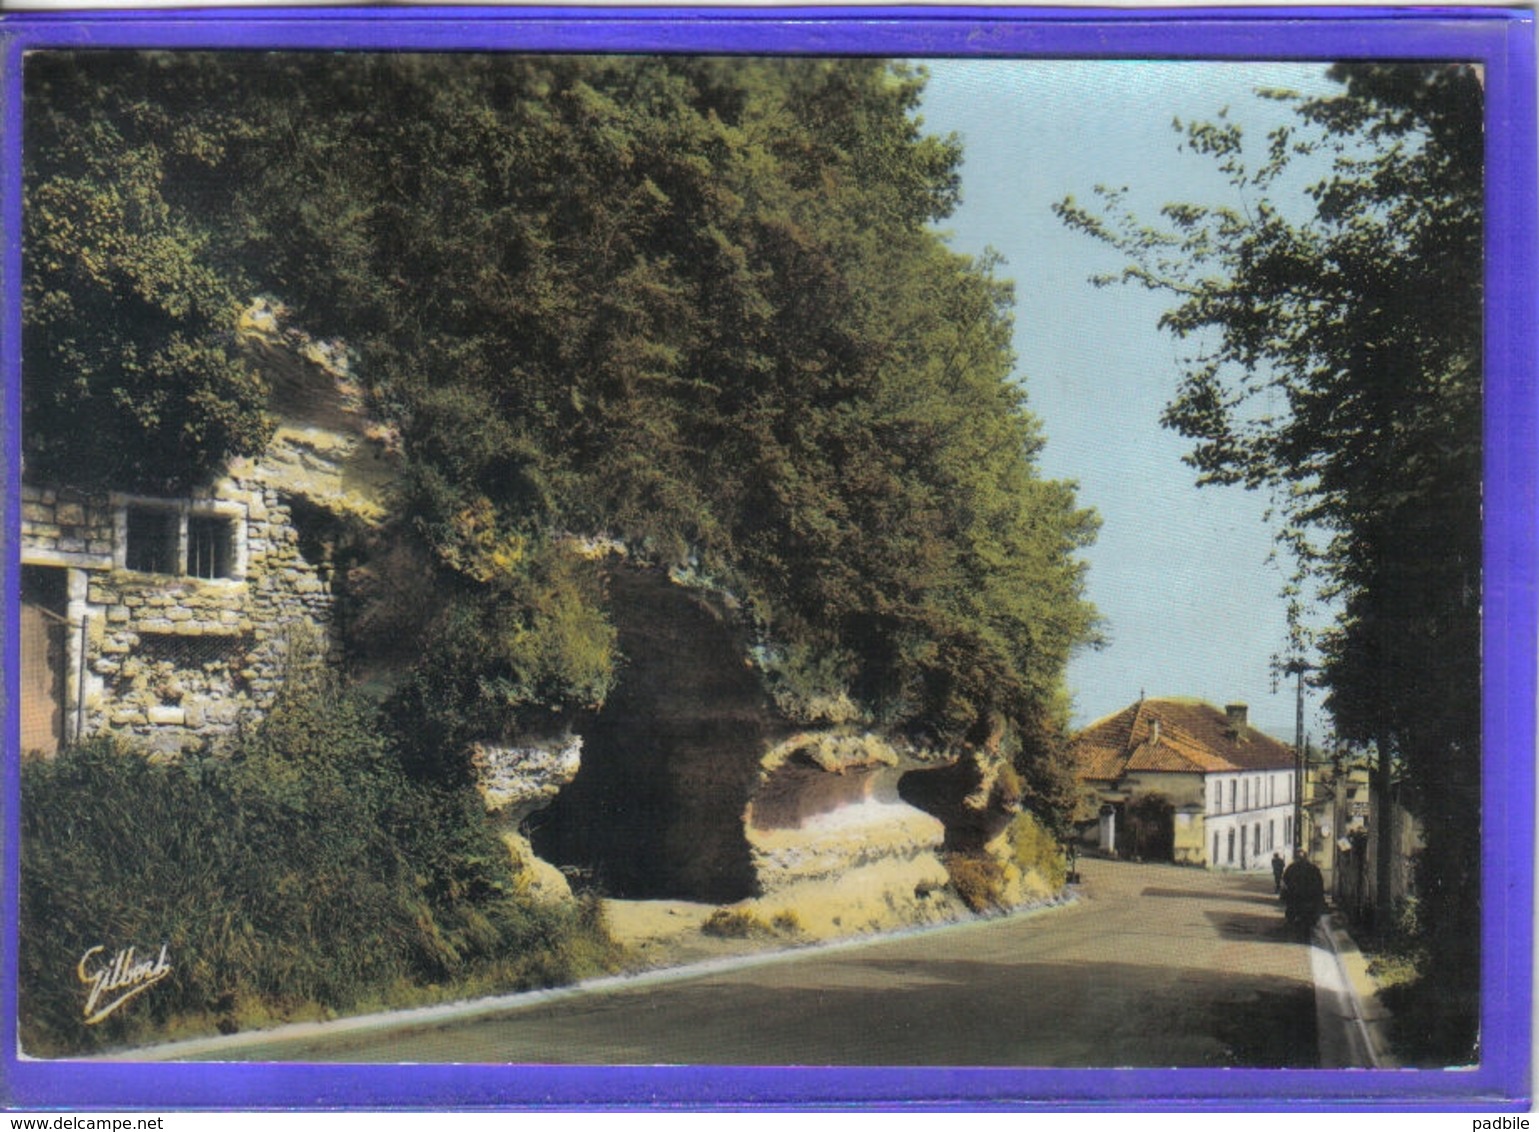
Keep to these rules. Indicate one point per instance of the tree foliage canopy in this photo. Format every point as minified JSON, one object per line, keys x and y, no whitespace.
{"x":1335,"y":317}
{"x":696,"y":304}
{"x":133,"y":375}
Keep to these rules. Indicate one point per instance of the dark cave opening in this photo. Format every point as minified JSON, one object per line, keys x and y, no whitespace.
{"x":657,"y":809}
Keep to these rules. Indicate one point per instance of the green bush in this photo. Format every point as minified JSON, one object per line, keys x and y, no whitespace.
{"x":987,"y":884}
{"x":517,"y":651}
{"x":1034,"y":849}
{"x":303,"y":875}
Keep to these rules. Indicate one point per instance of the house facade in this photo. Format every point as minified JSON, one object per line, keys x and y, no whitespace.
{"x":1183,"y":780}
{"x":165,"y":619}
{"x":170,"y":619}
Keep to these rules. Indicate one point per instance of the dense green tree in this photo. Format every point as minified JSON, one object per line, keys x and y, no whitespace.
{"x":133,"y":375}
{"x":695,"y":304}
{"x":1335,"y":313}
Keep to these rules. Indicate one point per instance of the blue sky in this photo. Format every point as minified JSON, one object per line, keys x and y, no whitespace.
{"x":1182,"y":576}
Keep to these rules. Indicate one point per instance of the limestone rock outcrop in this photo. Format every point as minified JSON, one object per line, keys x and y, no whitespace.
{"x":834,"y":844}
{"x":694,"y":786}
{"x":325,"y":449}
{"x":517,"y":781}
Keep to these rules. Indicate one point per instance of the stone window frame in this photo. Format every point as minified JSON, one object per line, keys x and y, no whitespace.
{"x":181,"y":512}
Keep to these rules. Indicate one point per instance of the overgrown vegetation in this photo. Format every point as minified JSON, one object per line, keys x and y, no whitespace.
{"x":735,"y":923}
{"x":1399,"y":955}
{"x":695,"y":304}
{"x":134,"y":380}
{"x":694,"y":307}
{"x":744,"y":923}
{"x":1031,"y":865}
{"x":305,"y":871}
{"x":1400,"y":963}
{"x":1035,"y":849}
{"x":978,"y":879}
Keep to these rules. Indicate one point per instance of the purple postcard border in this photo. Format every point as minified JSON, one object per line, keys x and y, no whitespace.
{"x":1503,"y":40}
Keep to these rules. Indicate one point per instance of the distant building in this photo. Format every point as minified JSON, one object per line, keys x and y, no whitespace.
{"x":1342,"y":816}
{"x":1182,"y":780}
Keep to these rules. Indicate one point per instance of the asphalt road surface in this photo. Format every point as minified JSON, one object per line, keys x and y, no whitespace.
{"x":1153,"y":966}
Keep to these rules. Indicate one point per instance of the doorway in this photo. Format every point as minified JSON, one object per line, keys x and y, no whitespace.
{"x":44,"y":658}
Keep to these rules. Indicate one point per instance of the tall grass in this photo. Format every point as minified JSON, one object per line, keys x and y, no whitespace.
{"x":304,"y":874}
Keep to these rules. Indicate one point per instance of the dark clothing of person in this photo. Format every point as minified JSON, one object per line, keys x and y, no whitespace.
{"x":1303,"y":888}
{"x":1277,"y":872}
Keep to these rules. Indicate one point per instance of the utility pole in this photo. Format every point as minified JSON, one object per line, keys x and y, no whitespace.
{"x":1298,"y":668}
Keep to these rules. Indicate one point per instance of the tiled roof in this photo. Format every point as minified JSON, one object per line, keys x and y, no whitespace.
{"x":1105,"y":763}
{"x":1173,"y":735}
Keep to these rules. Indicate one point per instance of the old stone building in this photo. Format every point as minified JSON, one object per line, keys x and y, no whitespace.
{"x":164,"y":619}
{"x":169,"y":619}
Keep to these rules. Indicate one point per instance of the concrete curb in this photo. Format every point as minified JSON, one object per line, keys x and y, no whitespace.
{"x":1352,"y":1022}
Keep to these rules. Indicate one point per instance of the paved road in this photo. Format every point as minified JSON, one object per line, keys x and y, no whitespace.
{"x":1154,"y":966}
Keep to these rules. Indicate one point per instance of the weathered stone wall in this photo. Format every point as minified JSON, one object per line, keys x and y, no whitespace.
{"x":66,"y":527}
{"x":179,"y":653}
{"x":170,"y":659}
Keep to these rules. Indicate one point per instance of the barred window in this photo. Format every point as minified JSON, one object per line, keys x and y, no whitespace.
{"x":197,"y":541}
{"x":210,"y":546}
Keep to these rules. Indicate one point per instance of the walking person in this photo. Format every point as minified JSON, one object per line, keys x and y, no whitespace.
{"x":1303,"y":890}
{"x":1277,"y":872}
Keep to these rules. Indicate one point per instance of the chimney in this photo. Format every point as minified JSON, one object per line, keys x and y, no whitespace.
{"x":1154,"y":735}
{"x":1236,"y":714}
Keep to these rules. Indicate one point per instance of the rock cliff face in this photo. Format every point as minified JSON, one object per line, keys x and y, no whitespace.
{"x":833,"y":842}
{"x":516,"y":782}
{"x":325,"y":450}
{"x":693,"y":786}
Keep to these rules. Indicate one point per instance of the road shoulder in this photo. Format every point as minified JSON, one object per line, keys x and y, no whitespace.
{"x":1352,"y":1020}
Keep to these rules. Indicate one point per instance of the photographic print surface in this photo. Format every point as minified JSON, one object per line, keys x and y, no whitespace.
{"x":765,"y":552}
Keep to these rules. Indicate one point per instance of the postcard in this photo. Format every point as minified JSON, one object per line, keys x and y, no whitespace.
{"x":884,"y":557}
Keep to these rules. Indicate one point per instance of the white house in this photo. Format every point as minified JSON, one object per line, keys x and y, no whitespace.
{"x":1182,"y":780}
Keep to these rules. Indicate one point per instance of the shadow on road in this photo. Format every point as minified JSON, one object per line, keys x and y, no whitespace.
{"x":1235,"y":925}
{"x":869,"y":1010}
{"x":1207,"y":897}
{"x":1273,"y":1027}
